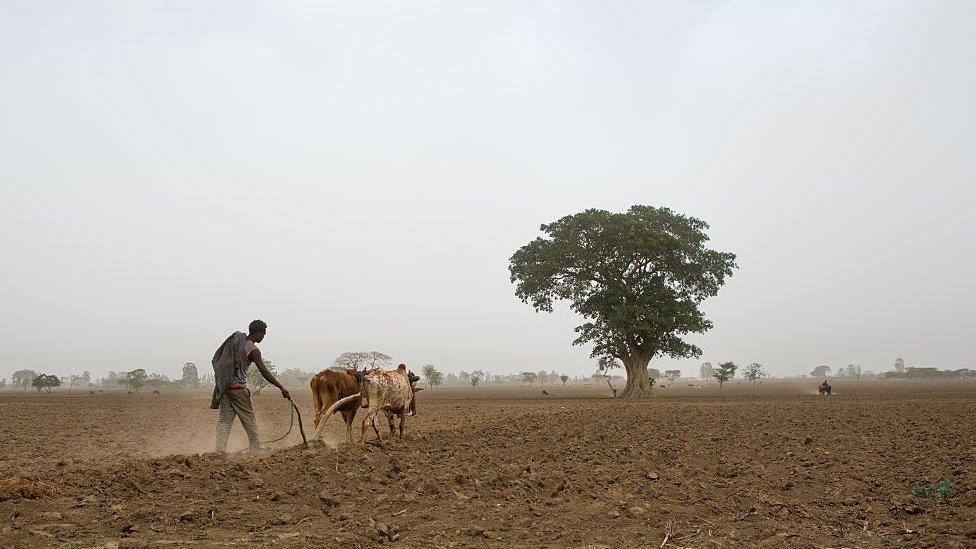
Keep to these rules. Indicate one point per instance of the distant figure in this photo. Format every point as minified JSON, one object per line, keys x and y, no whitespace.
{"x":824,"y":388}
{"x":545,"y":392}
{"x":155,"y":391}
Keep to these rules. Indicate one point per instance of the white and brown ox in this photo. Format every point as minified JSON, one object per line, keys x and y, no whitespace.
{"x":389,"y":391}
{"x":393,"y":393}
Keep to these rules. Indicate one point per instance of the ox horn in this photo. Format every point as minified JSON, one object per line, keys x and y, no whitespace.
{"x":332,"y":409}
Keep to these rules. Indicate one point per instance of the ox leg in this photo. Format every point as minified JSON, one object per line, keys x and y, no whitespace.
{"x":348,"y":416}
{"x":403,"y":418}
{"x":366,"y":419}
{"x":376,"y":430}
{"x":389,"y":420}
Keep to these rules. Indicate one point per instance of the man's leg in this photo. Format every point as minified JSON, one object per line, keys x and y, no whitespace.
{"x":245,"y":411}
{"x":224,"y":422}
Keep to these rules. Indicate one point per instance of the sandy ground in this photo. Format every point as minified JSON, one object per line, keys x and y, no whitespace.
{"x":772,"y":466}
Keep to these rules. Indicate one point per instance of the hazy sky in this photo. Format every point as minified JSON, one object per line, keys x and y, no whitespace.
{"x":358,"y":174}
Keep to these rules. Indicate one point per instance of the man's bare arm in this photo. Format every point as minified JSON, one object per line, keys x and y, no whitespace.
{"x":255,"y":356}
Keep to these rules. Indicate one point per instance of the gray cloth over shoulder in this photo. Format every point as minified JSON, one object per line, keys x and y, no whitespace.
{"x":225,"y":361}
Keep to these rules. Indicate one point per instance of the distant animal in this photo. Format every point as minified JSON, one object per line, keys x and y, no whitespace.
{"x":824,"y":389}
{"x":329,"y":386}
{"x":155,"y":391}
{"x":545,"y":392}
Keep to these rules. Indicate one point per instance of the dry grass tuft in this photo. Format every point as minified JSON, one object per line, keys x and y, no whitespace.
{"x":14,"y":487}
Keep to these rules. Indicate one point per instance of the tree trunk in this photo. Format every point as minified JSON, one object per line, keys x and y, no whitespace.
{"x":638,"y":382}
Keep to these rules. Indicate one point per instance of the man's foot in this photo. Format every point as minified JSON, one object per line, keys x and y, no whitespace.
{"x":259,"y":451}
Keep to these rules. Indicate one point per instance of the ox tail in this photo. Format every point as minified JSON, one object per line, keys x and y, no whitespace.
{"x":316,"y":399}
{"x":332,"y":409}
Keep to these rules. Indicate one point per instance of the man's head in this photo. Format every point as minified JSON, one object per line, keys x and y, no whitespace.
{"x":256,"y":330}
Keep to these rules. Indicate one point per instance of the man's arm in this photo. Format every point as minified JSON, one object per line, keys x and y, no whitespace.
{"x":255,"y":356}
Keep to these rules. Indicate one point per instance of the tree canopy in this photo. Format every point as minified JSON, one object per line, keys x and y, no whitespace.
{"x":191,"y":378}
{"x":637,"y":278}
{"x":432,"y":375}
{"x":136,"y":378}
{"x":24,"y":378}
{"x":755,"y":372}
{"x":724,"y":372}
{"x":45,"y":381}
{"x":820,"y":371}
{"x":363,"y":359}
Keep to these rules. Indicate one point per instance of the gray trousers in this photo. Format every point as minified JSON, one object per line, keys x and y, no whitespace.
{"x":236,"y":404}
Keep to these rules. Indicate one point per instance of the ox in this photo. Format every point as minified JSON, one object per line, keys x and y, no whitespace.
{"x":329,"y":387}
{"x":389,"y":391}
{"x":393,"y":393}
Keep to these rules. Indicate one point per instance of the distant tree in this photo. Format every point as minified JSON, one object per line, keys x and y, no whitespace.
{"x":256,"y":380}
{"x":3,"y":383}
{"x":432,"y":376}
{"x":654,"y":374}
{"x":529,"y":377}
{"x":853,"y":370}
{"x":820,"y":371}
{"x":136,"y":378}
{"x":724,"y":372}
{"x":45,"y":381}
{"x":899,"y":364}
{"x":672,"y":375}
{"x":706,"y":371}
{"x":604,"y":365}
{"x":564,"y":378}
{"x":23,"y":378}
{"x":360,"y":359}
{"x":542,"y":376}
{"x":637,"y":277}
{"x":76,"y":379}
{"x":191,"y":378}
{"x":755,"y":372}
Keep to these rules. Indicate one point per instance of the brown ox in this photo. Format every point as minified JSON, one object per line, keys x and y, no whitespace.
{"x":329,"y":386}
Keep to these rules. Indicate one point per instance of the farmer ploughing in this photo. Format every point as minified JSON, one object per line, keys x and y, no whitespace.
{"x":231,"y":394}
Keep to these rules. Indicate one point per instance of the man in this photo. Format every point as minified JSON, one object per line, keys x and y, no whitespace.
{"x":231,"y":395}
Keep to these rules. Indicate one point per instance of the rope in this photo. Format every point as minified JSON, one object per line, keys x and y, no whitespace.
{"x":291,"y":424}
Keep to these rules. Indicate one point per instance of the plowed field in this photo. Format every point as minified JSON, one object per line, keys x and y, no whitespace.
{"x":774,"y":466}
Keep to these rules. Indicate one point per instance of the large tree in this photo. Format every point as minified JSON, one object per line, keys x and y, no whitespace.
{"x":637,"y":278}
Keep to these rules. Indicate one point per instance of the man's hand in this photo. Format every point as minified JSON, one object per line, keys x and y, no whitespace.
{"x":285,"y":393}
